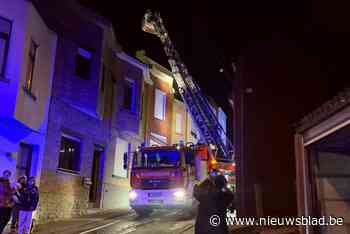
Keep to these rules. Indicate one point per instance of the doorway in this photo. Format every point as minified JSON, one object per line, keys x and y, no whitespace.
{"x":96,"y":177}
{"x":24,"y":160}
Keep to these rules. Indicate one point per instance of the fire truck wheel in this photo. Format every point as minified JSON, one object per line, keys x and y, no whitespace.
{"x":143,"y":212}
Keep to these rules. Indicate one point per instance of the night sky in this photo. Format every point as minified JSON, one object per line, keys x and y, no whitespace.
{"x":211,"y":34}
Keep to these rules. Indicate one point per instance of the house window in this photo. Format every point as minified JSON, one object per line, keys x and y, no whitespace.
{"x":159,"y":104}
{"x":178,"y":123}
{"x":129,"y":95}
{"x":31,"y":64}
{"x":83,"y":64}
{"x":5,"y":29}
{"x":153,"y":143}
{"x":69,"y":159}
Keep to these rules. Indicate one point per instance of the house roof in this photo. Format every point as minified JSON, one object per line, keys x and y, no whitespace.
{"x":329,"y":108}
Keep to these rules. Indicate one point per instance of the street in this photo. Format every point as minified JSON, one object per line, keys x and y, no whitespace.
{"x":161,"y":221}
{"x":157,"y":222}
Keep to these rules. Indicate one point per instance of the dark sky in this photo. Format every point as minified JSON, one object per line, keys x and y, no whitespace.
{"x":211,"y":34}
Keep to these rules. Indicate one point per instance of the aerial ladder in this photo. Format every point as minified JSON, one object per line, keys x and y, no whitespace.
{"x":205,"y":120}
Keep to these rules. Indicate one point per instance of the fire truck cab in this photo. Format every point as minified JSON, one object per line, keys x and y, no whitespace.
{"x":164,"y":176}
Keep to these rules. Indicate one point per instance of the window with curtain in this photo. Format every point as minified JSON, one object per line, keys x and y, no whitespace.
{"x":31,"y":65}
{"x":160,"y":104}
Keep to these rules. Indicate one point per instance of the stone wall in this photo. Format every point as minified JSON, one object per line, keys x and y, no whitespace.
{"x":61,"y":196}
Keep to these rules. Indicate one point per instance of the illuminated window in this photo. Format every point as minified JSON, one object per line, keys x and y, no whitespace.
{"x":69,"y":159}
{"x":83,"y":64}
{"x":153,"y":143}
{"x":5,"y":29}
{"x":31,"y":64}
{"x":159,"y":104}
{"x":178,"y":123}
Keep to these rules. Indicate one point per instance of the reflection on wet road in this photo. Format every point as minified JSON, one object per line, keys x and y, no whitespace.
{"x":157,"y":223}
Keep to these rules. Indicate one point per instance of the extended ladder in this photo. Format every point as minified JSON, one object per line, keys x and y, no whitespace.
{"x":197,"y":104}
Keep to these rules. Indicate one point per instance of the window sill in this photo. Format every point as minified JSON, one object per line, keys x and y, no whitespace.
{"x":81,"y":77}
{"x":3,"y":79}
{"x":29,"y":93}
{"x":118,"y":177}
{"x":156,"y":118}
{"x":67,"y":172}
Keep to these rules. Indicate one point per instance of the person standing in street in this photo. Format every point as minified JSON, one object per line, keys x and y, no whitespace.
{"x":29,"y":198}
{"x":214,"y":199}
{"x":20,"y":185}
{"x":6,"y":200}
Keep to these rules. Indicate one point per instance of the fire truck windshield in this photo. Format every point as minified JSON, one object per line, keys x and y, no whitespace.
{"x":157,"y":159}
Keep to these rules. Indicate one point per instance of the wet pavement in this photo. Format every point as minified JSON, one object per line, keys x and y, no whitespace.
{"x":158,"y":222}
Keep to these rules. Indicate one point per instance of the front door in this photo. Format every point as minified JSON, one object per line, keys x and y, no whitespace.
{"x":96,"y":177}
{"x":24,"y":160}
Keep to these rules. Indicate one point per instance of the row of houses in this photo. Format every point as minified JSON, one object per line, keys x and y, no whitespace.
{"x":74,"y":105}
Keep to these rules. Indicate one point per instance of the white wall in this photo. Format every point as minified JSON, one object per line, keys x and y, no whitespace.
{"x":7,"y":162}
{"x":121,"y":147}
{"x":17,"y":12}
{"x":15,"y":104}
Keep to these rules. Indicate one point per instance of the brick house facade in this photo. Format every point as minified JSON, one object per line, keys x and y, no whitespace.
{"x":158,"y":101}
{"x":80,"y":113}
{"x":125,"y":130}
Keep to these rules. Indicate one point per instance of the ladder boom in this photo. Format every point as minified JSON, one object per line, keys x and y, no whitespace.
{"x":197,"y":104}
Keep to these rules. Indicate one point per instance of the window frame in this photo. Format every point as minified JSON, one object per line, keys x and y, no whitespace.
{"x":164,"y":100}
{"x":31,"y":66}
{"x":76,"y":140}
{"x":80,"y":52}
{"x":7,"y":47}
{"x":132,"y":83}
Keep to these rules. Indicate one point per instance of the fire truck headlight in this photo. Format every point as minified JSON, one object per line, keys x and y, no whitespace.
{"x":132,"y":195}
{"x":180,"y":194}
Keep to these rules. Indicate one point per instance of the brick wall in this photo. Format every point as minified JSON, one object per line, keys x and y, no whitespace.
{"x":62,"y":194}
{"x":161,"y":127}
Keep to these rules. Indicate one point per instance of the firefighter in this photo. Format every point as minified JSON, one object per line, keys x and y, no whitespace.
{"x":214,"y":199}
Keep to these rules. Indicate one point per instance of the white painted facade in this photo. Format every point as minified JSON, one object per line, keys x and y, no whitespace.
{"x":23,"y":115}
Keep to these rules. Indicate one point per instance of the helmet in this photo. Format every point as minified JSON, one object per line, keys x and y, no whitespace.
{"x":214,"y":172}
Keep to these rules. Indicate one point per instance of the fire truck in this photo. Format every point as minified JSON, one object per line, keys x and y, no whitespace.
{"x":164,"y":176}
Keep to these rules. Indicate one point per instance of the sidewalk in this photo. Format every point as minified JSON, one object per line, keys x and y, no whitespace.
{"x":74,"y":225}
